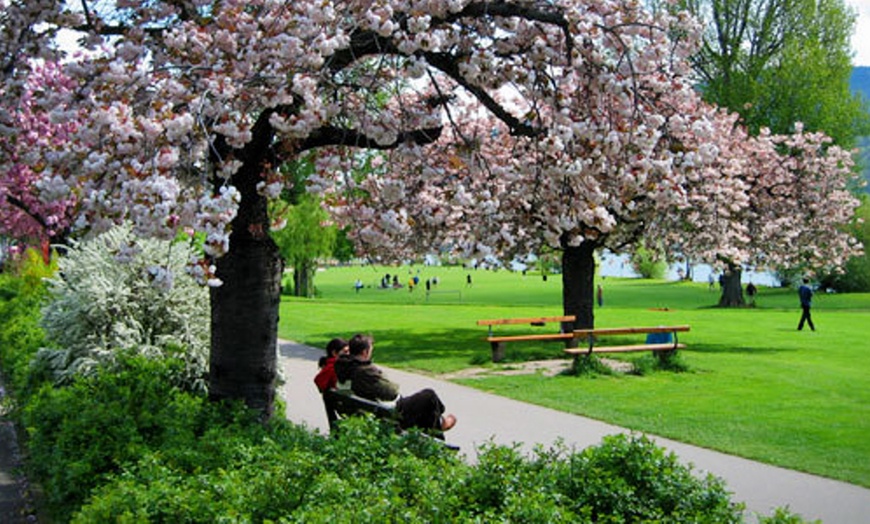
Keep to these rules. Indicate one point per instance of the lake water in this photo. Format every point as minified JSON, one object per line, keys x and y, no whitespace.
{"x":612,"y":265}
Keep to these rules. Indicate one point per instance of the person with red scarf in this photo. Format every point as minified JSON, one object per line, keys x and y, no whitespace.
{"x":326,"y":378}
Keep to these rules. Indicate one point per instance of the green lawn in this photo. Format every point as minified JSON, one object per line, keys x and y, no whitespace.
{"x":756,"y":387}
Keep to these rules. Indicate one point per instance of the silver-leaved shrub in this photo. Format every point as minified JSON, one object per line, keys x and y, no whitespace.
{"x":118,"y":292}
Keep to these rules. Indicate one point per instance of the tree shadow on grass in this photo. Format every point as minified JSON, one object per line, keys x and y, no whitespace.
{"x":726,"y":348}
{"x":464,"y":346}
{"x":400,"y":346}
{"x":468,"y":347}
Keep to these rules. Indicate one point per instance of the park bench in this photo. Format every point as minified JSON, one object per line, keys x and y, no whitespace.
{"x":341,"y":404}
{"x":566,"y":324}
{"x":660,"y":348}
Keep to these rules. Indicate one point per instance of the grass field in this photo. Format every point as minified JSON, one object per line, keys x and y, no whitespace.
{"x":755,"y":387}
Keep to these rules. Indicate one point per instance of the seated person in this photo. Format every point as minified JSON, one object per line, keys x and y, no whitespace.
{"x":325,"y":378}
{"x":421,"y":410}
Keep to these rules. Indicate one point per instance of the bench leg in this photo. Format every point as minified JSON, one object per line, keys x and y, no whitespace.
{"x":581,"y":361}
{"x":665,"y":356}
{"x":497,"y":351}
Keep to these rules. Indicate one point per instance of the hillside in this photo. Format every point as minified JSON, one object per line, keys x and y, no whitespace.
{"x":860,"y":81}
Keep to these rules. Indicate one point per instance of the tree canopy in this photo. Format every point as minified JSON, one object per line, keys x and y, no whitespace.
{"x":185,"y":111}
{"x":781,"y":62}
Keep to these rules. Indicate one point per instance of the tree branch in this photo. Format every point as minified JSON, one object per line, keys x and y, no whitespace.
{"x":335,"y":136}
{"x":16,"y":202}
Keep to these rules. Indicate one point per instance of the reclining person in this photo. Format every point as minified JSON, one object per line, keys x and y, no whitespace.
{"x":421,"y":410}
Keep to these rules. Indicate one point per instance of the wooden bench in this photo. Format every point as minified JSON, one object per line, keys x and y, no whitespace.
{"x":342,"y":404}
{"x":566,"y":324}
{"x":661,"y":349}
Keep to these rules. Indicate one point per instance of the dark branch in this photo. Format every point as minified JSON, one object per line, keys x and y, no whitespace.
{"x":334,"y":136}
{"x":24,"y":209}
{"x":447,"y":65}
{"x":534,"y":13}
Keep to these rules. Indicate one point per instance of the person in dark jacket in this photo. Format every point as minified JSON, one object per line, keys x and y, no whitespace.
{"x":805,"y":293}
{"x":422,"y":410}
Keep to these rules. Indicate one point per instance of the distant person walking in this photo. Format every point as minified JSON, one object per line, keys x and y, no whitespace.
{"x":600,"y":295}
{"x":806,"y":295}
{"x":751,"y":291}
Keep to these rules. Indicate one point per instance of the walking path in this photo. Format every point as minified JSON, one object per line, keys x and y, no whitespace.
{"x":484,"y":417}
{"x":14,"y":502}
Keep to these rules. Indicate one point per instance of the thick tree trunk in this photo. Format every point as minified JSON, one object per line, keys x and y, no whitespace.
{"x":732,"y":291}
{"x":244,"y":309}
{"x":578,"y":284}
{"x":244,"y":324}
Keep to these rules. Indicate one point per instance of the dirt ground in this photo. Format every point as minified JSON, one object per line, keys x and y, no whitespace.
{"x":548,"y":368}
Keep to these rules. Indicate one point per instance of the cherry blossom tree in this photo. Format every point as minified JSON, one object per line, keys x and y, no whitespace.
{"x":187,"y":109}
{"x":481,"y":192}
{"x":767,"y":201}
{"x":723,"y":197}
{"x":36,"y":203}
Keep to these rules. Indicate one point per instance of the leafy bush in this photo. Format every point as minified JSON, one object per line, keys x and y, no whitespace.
{"x":80,"y":433}
{"x":588,"y":365}
{"x":630,"y":479}
{"x":22,"y":292}
{"x":369,"y":474}
{"x":660,"y":361}
{"x":648,"y":264}
{"x":119,"y":292}
{"x":783,"y":516}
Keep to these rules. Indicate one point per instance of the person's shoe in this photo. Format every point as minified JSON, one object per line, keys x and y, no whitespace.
{"x":447,"y":422}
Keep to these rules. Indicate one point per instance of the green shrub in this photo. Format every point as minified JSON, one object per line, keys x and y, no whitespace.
{"x":369,"y":474}
{"x":250,"y":473}
{"x":22,"y":292}
{"x":588,"y":365}
{"x":83,"y":432}
{"x":660,"y":361}
{"x":648,"y":264}
{"x":783,"y":516}
{"x":119,"y":292}
{"x":630,"y":479}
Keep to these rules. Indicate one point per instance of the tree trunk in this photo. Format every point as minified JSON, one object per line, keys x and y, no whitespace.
{"x":303,"y":278}
{"x":244,"y":325}
{"x":244,"y":309}
{"x":732,"y":291}
{"x":578,"y":284}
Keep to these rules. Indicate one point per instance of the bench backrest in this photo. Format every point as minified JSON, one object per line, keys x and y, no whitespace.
{"x":532,"y":320}
{"x":629,"y":330}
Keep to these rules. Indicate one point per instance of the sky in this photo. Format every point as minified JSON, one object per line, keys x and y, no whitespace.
{"x":861,"y":38}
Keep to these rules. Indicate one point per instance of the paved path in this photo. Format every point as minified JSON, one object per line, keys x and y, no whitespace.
{"x":483,"y":417}
{"x":13,"y":502}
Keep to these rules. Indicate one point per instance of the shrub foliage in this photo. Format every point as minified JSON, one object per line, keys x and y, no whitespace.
{"x":120,"y":292}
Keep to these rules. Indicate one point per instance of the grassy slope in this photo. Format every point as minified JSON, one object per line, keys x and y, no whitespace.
{"x":756,"y":388}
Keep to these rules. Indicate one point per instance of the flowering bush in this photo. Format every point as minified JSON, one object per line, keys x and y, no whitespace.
{"x":119,"y":292}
